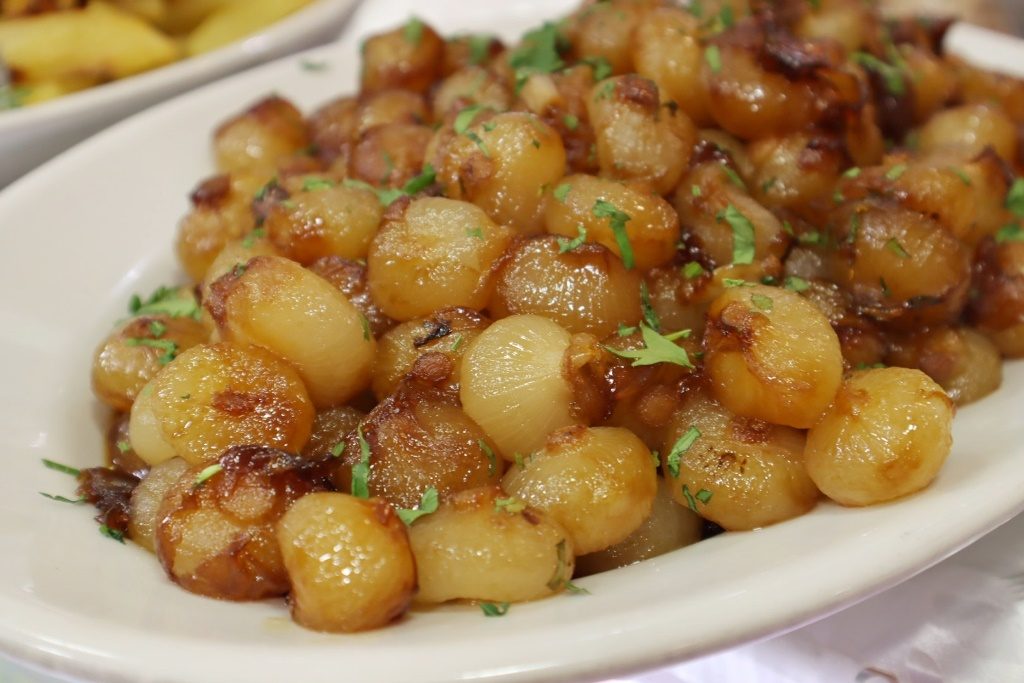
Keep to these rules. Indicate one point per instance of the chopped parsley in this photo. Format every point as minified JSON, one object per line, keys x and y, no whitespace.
{"x":962,"y":175}
{"x":510,"y":505}
{"x":361,"y":470}
{"x":891,"y":75}
{"x":703,"y":496}
{"x":693,"y":270}
{"x":713,"y":56}
{"x":157,"y":328}
{"x":558,"y":578}
{"x":457,"y":343}
{"x":650,"y":315}
{"x":731,"y":282}
{"x":314,"y":184}
{"x":625,"y":330}
{"x":112,"y":533}
{"x":696,"y":191}
{"x":171,"y":301}
{"x":491,"y":609}
{"x":465,"y":118}
{"x":852,"y":172}
{"x":657,"y":349}
{"x":896,"y":172}
{"x":492,"y":459}
{"x":797,"y":284}
{"x":477,"y":232}
{"x":1010,"y":233}
{"x":250,"y":239}
{"x":338,"y":449}
{"x":169,"y":348}
{"x":895,"y":247}
{"x":428,"y":505}
{"x":561,"y":192}
{"x":734,"y":177}
{"x":313,"y":65}
{"x":388,"y":196}
{"x":62,"y":499}
{"x":571,"y":122}
{"x":1015,"y":198}
{"x":617,"y":220}
{"x":479,"y":48}
{"x":412,"y":32}
{"x":538,"y":53}
{"x":565,"y":244}
{"x":679,"y":449}
{"x":762,"y":302}
{"x":742,"y":235}
{"x":601,"y":66}
{"x":123,"y":446}
{"x":207,"y":473}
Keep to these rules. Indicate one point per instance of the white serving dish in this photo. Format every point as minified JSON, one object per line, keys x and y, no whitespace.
{"x":31,"y":135}
{"x":84,"y":232}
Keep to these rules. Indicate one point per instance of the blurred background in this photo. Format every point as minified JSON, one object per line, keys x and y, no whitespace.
{"x":1001,"y":15}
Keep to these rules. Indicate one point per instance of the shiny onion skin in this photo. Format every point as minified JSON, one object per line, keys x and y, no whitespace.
{"x":216,"y":535}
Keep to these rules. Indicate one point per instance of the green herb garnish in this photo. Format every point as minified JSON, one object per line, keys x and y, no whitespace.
{"x":679,"y":449}
{"x":657,"y":349}
{"x":428,"y":504}
{"x":617,"y":220}
{"x":361,"y":470}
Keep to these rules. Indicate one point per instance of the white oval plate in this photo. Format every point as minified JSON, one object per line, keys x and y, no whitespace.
{"x":83,"y":233}
{"x":32,"y":135}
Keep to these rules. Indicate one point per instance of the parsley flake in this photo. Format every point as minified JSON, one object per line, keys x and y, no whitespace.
{"x":558,"y":578}
{"x":465,"y":118}
{"x":731,"y":282}
{"x":693,"y":270}
{"x":601,"y":66}
{"x":510,"y":505}
{"x":250,"y":239}
{"x":797,"y":284}
{"x":891,"y":75}
{"x":1010,"y":233}
{"x":575,"y":590}
{"x":338,"y":449}
{"x":617,"y":220}
{"x":762,"y":302}
{"x":476,"y":232}
{"x":314,"y":184}
{"x":123,"y":446}
{"x":207,"y":473}
{"x":649,"y":314}
{"x":742,"y":235}
{"x":561,"y":192}
{"x":169,"y":348}
{"x":625,"y":331}
{"x":112,"y":533}
{"x":479,"y":48}
{"x":657,"y":349}
{"x":428,"y":505}
{"x":361,"y":470}
{"x":962,"y":175}
{"x":1015,"y":198}
{"x":312,"y":65}
{"x":895,"y":247}
{"x":713,"y":57}
{"x":679,"y":449}
{"x":734,"y":177}
{"x":494,"y":610}
{"x":171,"y":301}
{"x":896,"y":172}
{"x":62,"y":499}
{"x":492,"y":459}
{"x":571,"y":122}
{"x":565,"y":244}
{"x":413,"y":31}
{"x":538,"y":53}
{"x":703,"y":496}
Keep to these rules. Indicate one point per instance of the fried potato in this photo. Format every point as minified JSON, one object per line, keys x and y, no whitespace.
{"x":96,"y":44}
{"x":238,"y":19}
